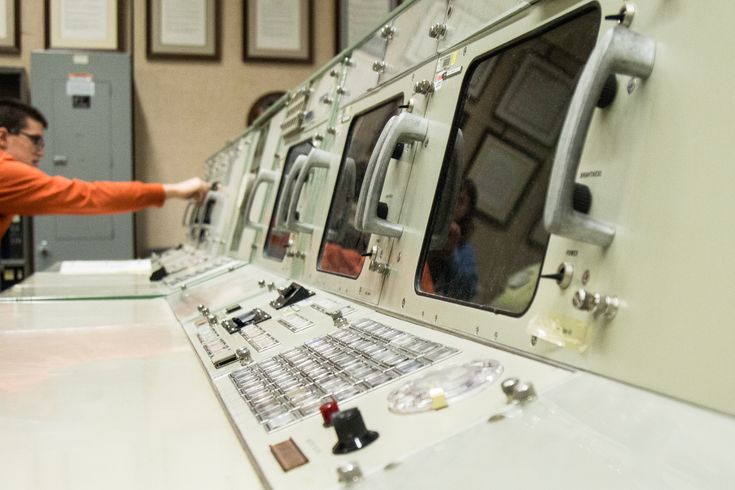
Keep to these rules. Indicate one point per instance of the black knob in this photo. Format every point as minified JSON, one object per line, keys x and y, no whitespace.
{"x":351,"y":431}
{"x":609,"y":90}
{"x":582,"y":198}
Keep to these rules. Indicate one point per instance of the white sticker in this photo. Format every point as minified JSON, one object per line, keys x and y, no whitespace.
{"x":439,"y":81}
{"x":455,"y":70}
{"x":80,"y":84}
{"x":80,"y":59}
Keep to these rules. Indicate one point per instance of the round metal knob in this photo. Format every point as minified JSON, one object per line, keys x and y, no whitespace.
{"x":349,"y":473}
{"x":437,"y":31}
{"x":423,"y":87}
{"x":524,"y":392}
{"x":508,"y":386}
{"x":379,"y":66}
{"x":585,"y":300}
{"x":243,"y":355}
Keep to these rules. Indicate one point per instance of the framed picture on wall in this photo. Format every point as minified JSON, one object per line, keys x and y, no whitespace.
{"x":502,"y":173}
{"x":10,"y":26}
{"x":357,"y":18}
{"x":185,"y":29}
{"x":83,"y":24}
{"x":278,"y":30}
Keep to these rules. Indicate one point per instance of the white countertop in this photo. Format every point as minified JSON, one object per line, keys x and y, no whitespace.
{"x":108,"y":394}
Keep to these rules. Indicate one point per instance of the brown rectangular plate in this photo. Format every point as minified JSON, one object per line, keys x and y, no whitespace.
{"x":288,"y":455}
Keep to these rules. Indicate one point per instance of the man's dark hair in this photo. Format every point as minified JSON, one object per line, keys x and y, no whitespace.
{"x":13,"y":114}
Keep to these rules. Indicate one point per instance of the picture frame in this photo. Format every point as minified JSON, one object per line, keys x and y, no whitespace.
{"x":10,"y":28}
{"x":183,"y":29}
{"x":83,"y":24}
{"x":278,"y":30}
{"x":355,"y":19}
{"x":537,"y":113}
{"x":503,"y":173}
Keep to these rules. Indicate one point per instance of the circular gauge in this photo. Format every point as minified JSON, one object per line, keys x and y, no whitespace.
{"x":449,"y":385}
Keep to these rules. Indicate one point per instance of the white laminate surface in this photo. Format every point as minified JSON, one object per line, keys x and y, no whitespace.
{"x":92,"y":397}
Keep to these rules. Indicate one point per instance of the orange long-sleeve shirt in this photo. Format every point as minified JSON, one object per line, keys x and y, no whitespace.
{"x":27,"y":190}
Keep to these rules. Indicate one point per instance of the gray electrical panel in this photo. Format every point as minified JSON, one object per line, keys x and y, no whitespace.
{"x":87,"y":99}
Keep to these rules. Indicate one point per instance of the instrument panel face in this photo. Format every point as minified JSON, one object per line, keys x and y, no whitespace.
{"x":341,"y":265}
{"x":326,"y":349}
{"x":424,"y":328}
{"x":495,"y":104}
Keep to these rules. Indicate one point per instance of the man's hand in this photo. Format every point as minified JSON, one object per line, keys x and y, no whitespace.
{"x":194,"y":188}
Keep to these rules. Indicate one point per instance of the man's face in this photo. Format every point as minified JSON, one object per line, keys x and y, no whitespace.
{"x":26,"y":146}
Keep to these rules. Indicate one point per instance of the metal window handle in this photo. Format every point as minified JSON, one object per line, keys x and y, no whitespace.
{"x":407,"y":128}
{"x":264,"y":177}
{"x":619,"y":51}
{"x":370,"y":170}
{"x":317,"y":159}
{"x":287,"y":193}
{"x":186,"y":219}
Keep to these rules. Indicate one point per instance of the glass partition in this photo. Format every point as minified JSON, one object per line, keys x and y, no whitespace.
{"x":276,"y":242}
{"x":485,"y":242}
{"x":343,"y":245}
{"x":253,"y":171}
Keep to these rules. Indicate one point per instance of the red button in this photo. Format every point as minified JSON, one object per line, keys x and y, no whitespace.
{"x":328,"y":409}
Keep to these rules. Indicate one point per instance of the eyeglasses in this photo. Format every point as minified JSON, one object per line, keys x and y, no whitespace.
{"x":36,"y":139}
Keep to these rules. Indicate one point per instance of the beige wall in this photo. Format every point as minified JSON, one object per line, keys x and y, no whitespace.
{"x":184,"y":110}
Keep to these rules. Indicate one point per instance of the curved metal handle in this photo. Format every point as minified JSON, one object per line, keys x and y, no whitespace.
{"x":619,"y":51}
{"x":370,"y":170}
{"x":264,"y":176}
{"x":287,"y":193}
{"x":317,"y":159}
{"x":185,"y":220}
{"x":407,"y":128}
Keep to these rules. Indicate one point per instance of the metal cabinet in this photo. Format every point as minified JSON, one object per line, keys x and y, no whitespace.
{"x":87,"y":99}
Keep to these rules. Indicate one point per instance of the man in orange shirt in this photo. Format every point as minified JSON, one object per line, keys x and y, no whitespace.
{"x":26,"y":190}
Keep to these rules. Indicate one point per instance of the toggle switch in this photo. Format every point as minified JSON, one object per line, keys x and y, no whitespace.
{"x":562,"y":276}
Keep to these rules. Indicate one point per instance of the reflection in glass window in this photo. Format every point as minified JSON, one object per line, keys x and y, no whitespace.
{"x":254,"y":167}
{"x":343,"y":245}
{"x":276,"y":242}
{"x":485,"y":243}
